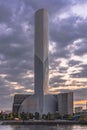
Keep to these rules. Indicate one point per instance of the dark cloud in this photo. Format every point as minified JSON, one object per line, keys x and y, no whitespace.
{"x":74,"y":62}
{"x":80,"y":94}
{"x":5,"y":14}
{"x":63,"y":33}
{"x":52,"y":6}
{"x":60,"y":53}
{"x":53,"y":64}
{"x":81,"y":74}
{"x":63,"y":69}
{"x":56,"y":81}
{"x":82,"y":49}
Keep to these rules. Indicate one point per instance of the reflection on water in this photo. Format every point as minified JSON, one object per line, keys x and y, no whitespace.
{"x":41,"y":127}
{"x":64,"y":127}
{"x":35,"y":127}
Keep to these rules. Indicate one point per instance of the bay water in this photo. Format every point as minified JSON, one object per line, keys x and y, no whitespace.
{"x":43,"y":127}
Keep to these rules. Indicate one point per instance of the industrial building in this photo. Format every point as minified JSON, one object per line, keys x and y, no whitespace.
{"x":18,"y":99}
{"x":41,"y":101}
{"x":65,"y":103}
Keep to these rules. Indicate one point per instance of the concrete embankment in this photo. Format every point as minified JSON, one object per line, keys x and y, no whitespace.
{"x":41,"y":122}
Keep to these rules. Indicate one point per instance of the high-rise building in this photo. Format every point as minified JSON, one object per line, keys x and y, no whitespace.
{"x":65,"y":103}
{"x":41,"y":55}
{"x":41,"y":52}
{"x":41,"y":101}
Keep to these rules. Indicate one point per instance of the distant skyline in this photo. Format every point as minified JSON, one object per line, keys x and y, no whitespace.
{"x":67,"y":48}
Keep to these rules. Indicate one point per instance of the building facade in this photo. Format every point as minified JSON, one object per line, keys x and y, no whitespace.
{"x":41,"y":55}
{"x":32,"y":104}
{"x":18,"y":99}
{"x":65,"y":103}
{"x":41,"y":52}
{"x":78,"y":109}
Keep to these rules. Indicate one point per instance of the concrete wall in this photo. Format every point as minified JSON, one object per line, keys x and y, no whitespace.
{"x":50,"y":104}
{"x":18,"y":99}
{"x":31,"y":104}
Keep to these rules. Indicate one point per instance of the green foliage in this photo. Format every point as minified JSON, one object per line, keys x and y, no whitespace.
{"x":1,"y":116}
{"x":68,"y":117}
{"x":31,"y":115}
{"x":37,"y":115}
{"x":83,"y":118}
{"x":44,"y":116}
{"x":49,"y":116}
{"x":27,"y":115}
{"x":11,"y":116}
{"x":57,"y":115}
{"x":19,"y":116}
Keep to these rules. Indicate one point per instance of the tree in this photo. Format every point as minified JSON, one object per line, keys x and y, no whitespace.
{"x":27,"y":115}
{"x":44,"y":116}
{"x":68,"y":117}
{"x":1,"y":116}
{"x":57,"y":115}
{"x":23,"y":116}
{"x":37,"y":115}
{"x":49,"y":116}
{"x":19,"y":115}
{"x":31,"y":115}
{"x":11,"y":117}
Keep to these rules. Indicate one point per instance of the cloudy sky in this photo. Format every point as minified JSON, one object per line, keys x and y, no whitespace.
{"x":67,"y":48}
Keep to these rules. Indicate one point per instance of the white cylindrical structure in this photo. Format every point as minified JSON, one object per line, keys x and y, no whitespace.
{"x":41,"y":55}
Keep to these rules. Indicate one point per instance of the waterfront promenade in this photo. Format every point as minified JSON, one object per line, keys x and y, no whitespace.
{"x":40,"y":122}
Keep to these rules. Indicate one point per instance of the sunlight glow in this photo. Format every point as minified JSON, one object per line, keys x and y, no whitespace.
{"x":19,"y":87}
{"x":29,"y":90}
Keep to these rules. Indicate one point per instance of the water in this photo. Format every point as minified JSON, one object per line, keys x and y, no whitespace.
{"x":41,"y":127}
